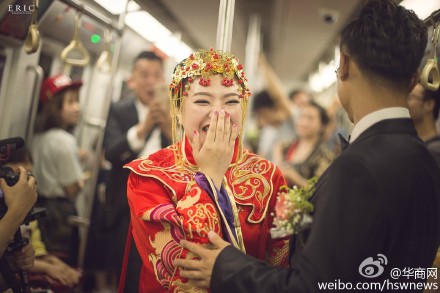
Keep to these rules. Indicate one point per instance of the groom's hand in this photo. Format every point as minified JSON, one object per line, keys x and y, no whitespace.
{"x":199,"y":271}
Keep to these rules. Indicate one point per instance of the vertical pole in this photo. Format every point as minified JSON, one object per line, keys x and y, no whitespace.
{"x":225,"y":24}
{"x":106,"y":106}
{"x":253,"y":48}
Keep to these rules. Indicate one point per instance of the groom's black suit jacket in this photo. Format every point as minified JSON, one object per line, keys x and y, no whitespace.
{"x":380,"y":196}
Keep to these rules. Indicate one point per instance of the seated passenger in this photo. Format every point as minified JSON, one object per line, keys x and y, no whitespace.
{"x":51,"y":270}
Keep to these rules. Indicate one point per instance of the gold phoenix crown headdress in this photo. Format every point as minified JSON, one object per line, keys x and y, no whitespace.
{"x":205,"y":64}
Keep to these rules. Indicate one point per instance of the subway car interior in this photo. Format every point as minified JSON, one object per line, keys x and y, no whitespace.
{"x":285,"y":46}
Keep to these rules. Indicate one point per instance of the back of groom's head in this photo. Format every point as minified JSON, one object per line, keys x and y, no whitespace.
{"x":386,"y":41}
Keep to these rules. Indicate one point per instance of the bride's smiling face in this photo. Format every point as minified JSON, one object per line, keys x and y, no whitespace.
{"x":202,"y":101}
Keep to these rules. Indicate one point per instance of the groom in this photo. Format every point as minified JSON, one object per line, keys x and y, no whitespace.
{"x":377,"y":206}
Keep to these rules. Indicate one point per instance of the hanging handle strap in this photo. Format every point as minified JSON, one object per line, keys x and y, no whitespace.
{"x":431,"y":67}
{"x":32,"y":41}
{"x":76,"y":45}
{"x":104,"y":63}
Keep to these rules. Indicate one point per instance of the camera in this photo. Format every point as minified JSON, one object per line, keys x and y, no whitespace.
{"x":9,"y":175}
{"x":11,"y":178}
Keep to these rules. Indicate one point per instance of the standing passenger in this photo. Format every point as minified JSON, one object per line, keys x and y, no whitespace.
{"x":57,"y":164}
{"x":307,"y":156}
{"x":274,"y":123}
{"x":135,"y":127}
{"x":424,"y":107}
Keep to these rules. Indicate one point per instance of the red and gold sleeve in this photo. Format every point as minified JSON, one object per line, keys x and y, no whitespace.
{"x":161,"y":217}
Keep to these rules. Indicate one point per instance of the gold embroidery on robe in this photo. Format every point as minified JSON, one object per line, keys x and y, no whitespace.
{"x":251,"y":187}
{"x":279,"y":254}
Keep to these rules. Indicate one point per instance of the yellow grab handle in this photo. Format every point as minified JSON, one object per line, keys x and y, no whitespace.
{"x":104,"y":62}
{"x":75,"y":45}
{"x":430,"y":68}
{"x":32,"y":41}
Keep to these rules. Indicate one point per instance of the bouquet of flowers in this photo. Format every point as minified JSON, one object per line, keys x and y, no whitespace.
{"x":292,"y":210}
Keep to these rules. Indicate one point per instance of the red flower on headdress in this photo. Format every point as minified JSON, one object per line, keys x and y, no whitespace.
{"x":227,"y":82}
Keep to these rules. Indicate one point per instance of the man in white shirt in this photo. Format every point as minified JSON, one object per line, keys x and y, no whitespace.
{"x":135,"y":127}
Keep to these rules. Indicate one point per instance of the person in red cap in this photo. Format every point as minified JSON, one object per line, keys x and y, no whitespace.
{"x":57,"y":164}
{"x":56,"y":84}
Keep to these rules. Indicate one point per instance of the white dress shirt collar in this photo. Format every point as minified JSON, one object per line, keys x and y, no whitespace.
{"x":377,"y":116}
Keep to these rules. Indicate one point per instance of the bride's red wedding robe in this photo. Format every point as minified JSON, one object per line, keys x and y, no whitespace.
{"x":167,"y":204}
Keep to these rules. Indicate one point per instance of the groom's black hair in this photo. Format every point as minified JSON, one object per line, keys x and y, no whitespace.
{"x":386,"y":41}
